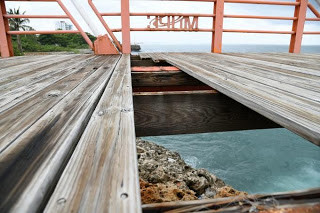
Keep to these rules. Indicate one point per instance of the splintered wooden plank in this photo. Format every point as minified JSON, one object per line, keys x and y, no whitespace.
{"x":102,"y":174}
{"x":31,"y":166}
{"x":291,"y":110}
{"x":17,"y":119}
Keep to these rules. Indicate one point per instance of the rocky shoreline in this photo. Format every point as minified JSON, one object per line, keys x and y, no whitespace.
{"x":164,"y":177}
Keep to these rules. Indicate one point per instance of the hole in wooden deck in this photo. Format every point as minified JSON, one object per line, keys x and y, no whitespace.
{"x":168,"y":101}
{"x":137,"y":61}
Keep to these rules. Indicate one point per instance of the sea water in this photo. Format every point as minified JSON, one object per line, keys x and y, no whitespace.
{"x":242,"y":48}
{"x":255,"y":161}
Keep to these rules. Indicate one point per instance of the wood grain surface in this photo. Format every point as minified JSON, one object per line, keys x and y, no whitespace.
{"x":287,"y":93}
{"x":102,"y":174}
{"x":193,"y":113}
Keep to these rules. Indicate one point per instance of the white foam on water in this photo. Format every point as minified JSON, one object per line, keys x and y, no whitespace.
{"x":192,"y":161}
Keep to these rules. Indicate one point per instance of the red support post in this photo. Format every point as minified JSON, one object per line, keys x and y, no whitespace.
{"x":125,"y":19}
{"x":216,"y":46}
{"x":6,"y":48}
{"x":298,"y":26}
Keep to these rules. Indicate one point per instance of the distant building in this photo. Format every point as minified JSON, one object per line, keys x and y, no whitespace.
{"x":62,"y":25}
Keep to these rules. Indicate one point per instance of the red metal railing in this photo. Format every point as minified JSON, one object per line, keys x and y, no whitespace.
{"x":166,"y":22}
{"x":5,"y":33}
{"x":218,"y":16}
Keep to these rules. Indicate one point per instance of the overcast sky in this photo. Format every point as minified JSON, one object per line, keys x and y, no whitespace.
{"x":181,"y":7}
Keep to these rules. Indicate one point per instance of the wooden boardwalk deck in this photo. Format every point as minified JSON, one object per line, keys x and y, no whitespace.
{"x":67,"y":139}
{"x":67,"y":132}
{"x":283,"y":87}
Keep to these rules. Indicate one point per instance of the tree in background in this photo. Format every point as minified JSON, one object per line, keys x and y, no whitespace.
{"x":65,"y":40}
{"x":43,"y":43}
{"x":17,"y":24}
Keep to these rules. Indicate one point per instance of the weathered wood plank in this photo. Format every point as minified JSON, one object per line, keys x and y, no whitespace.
{"x":24,"y":88}
{"x":18,"y":60}
{"x":31,"y":165}
{"x":102,"y":174}
{"x":281,"y":60}
{"x":256,"y":75}
{"x":17,"y":119}
{"x":193,"y":113}
{"x":285,"y":200}
{"x":304,"y":56}
{"x":291,"y":110}
{"x":264,"y":87}
{"x":18,"y":80}
{"x":309,"y":82}
{"x":11,"y":73}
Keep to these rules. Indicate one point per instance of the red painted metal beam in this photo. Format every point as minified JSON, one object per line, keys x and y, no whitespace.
{"x":314,"y":10}
{"x":6,"y":48}
{"x":154,"y":69}
{"x":35,"y":16}
{"x":208,"y":30}
{"x":104,"y":23}
{"x":164,"y":29}
{"x":41,"y":32}
{"x":298,"y":26}
{"x":211,"y":15}
{"x":216,"y":46}
{"x":34,"y":0}
{"x":125,"y":21}
{"x":75,"y":23}
{"x":172,"y":88}
{"x":257,"y":31}
{"x":312,"y":32}
{"x":263,"y":2}
{"x":160,"y":14}
{"x":247,"y":2}
{"x":260,"y":17}
{"x":312,"y":19}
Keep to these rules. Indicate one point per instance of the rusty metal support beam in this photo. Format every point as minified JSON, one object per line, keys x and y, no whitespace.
{"x":298,"y":26}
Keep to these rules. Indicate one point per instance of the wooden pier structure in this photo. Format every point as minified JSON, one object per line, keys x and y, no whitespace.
{"x":68,"y":123}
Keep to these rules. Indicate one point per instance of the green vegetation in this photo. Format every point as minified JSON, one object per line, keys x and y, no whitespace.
{"x":43,"y":43}
{"x":50,"y":43}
